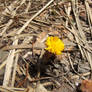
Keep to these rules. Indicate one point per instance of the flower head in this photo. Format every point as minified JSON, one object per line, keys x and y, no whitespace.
{"x":54,"y":45}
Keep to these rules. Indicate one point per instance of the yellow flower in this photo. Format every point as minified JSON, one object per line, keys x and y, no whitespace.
{"x":54,"y":45}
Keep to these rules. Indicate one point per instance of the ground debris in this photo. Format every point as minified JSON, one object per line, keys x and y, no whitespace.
{"x":25,"y":64}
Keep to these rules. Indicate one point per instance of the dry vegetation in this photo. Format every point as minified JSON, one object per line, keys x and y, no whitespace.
{"x":25,"y":65}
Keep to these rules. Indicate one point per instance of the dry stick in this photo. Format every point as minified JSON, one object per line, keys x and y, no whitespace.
{"x":14,"y":70}
{"x":68,"y":12}
{"x":73,"y":68}
{"x":39,"y":47}
{"x":82,"y":35}
{"x":11,"y":89}
{"x":78,"y":41}
{"x":73,"y":31}
{"x":69,"y":82}
{"x":23,"y":81}
{"x":45,"y":78}
{"x":28,"y":6}
{"x":6,"y":27}
{"x":89,"y":49}
{"x":22,"y":46}
{"x":71,"y":64}
{"x":89,"y":13}
{"x":10,"y":58}
{"x":5,"y":90}
{"x":26,"y":24}
{"x":13,"y":12}
{"x":88,"y":10}
{"x":10,"y":63}
{"x":83,"y":75}
{"x":10,"y":21}
{"x":16,"y":57}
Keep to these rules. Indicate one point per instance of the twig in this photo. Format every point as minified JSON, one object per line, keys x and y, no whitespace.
{"x":22,"y":82}
{"x":26,"y":24}
{"x":14,"y":70}
{"x":81,"y":35}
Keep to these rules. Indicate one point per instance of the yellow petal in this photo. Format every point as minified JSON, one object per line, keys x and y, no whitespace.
{"x":54,"y":45}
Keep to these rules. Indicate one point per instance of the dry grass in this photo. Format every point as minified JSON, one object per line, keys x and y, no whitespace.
{"x":24,"y":27}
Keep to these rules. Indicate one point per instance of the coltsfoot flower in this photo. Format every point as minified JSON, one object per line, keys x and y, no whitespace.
{"x":54,"y":45}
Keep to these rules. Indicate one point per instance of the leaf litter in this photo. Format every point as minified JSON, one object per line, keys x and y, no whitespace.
{"x":25,"y":65}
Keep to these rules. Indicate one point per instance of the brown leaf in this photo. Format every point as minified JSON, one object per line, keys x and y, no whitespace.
{"x":86,"y":86}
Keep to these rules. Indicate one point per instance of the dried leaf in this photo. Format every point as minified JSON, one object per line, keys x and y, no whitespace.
{"x":86,"y":86}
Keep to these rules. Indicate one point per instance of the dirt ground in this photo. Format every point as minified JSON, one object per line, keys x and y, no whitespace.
{"x":25,"y":64}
